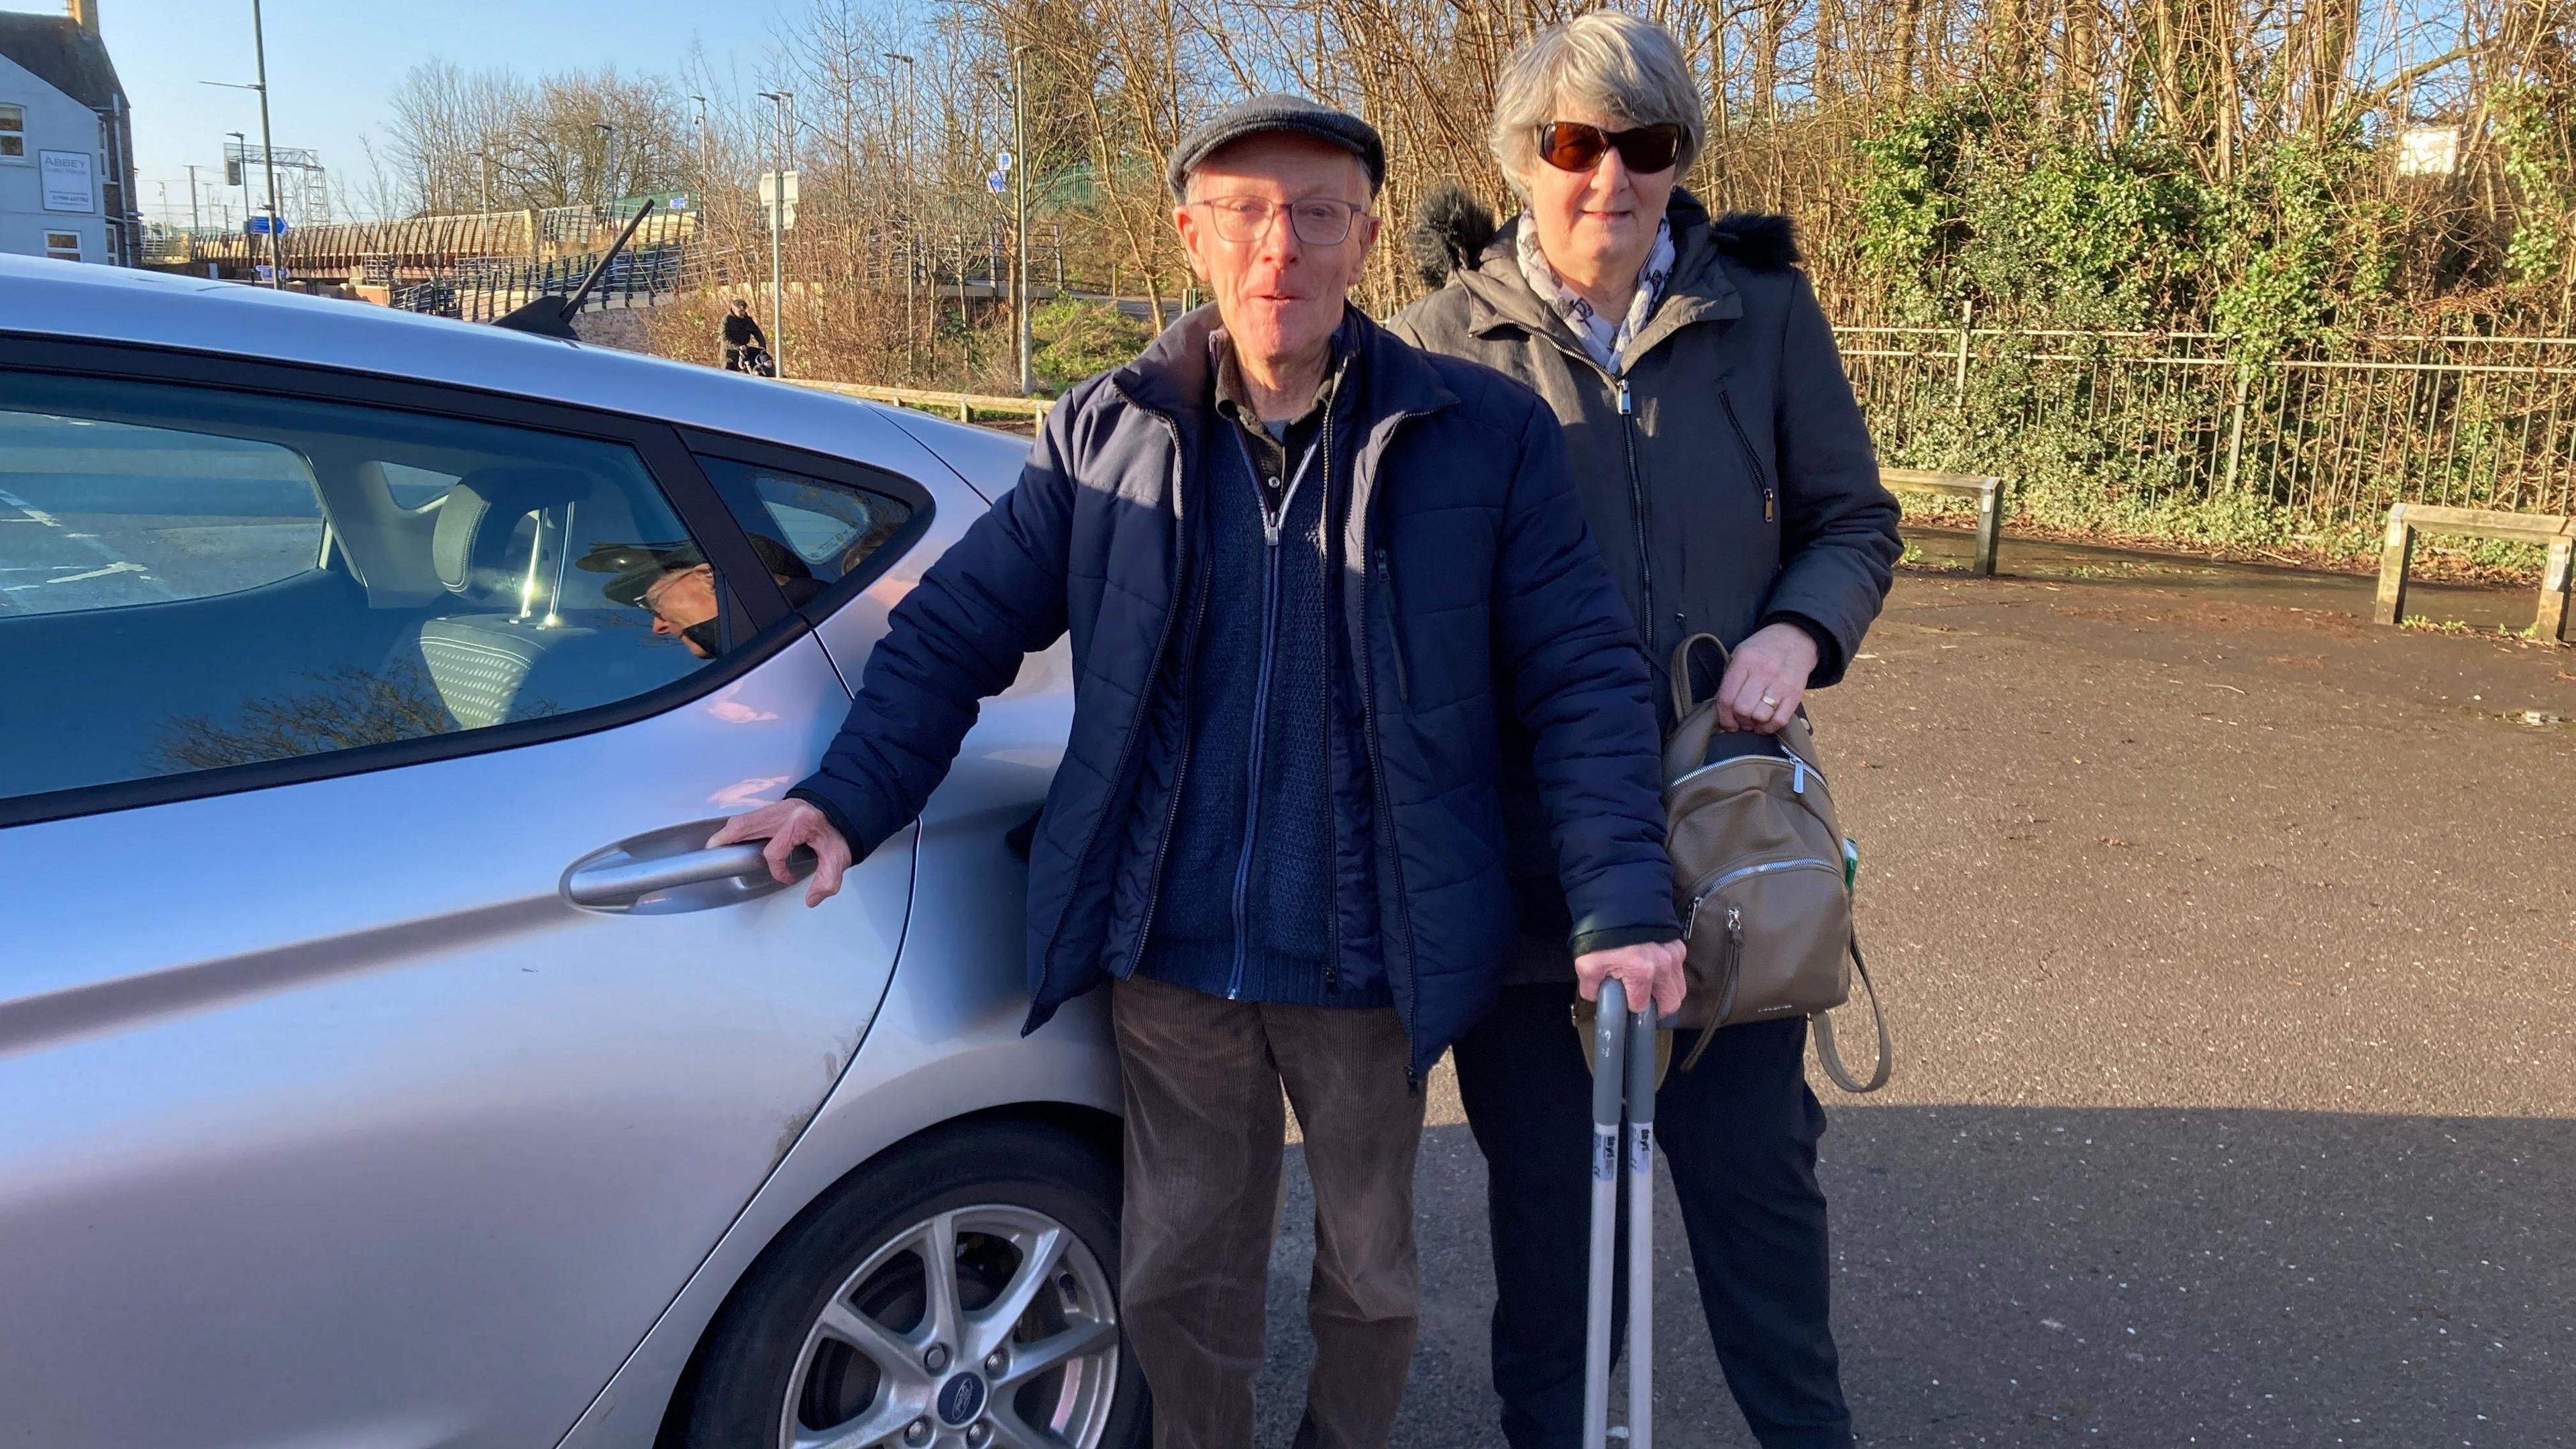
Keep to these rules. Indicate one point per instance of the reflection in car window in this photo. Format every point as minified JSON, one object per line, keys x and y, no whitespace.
{"x":98,"y":512}
{"x":193,"y":578}
{"x":415,"y":488}
{"x":829,"y":530}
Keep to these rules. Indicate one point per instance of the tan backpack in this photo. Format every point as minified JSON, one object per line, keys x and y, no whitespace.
{"x":1762,"y":877}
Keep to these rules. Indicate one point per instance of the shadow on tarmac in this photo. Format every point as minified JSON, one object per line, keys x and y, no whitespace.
{"x":2071,"y":1276}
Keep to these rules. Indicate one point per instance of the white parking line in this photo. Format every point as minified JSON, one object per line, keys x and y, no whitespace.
{"x":114,"y":568}
{"x":88,"y":541}
{"x":34,"y":514}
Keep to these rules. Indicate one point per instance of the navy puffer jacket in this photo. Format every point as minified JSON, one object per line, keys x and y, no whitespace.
{"x":1473,"y":591}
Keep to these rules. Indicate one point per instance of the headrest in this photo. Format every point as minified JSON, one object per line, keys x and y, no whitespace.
{"x":482,"y":510}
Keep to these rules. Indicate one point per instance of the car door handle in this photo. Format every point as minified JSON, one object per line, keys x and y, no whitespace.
{"x":619,"y":881}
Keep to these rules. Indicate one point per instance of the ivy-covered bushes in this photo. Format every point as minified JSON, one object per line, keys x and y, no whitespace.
{"x":2147,"y":334}
{"x":1071,"y":339}
{"x":1966,"y":196}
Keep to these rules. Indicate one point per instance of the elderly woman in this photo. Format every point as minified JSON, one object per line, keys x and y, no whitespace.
{"x":1729,"y":482}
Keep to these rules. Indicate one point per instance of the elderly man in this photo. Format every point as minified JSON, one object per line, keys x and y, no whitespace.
{"x":674,"y":583}
{"x":1308,"y":572}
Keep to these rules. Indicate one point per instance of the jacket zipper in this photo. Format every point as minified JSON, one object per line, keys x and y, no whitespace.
{"x":1394,"y":863}
{"x":1637,"y":510}
{"x":1744,"y":440}
{"x":1171,"y":814}
{"x":1136,"y":727}
{"x":1323,"y":531}
{"x":1271,"y":530}
{"x":1252,"y":760}
{"x":1394,"y":627}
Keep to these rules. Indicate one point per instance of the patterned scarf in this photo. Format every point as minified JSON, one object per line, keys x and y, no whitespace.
{"x":1600,"y":336}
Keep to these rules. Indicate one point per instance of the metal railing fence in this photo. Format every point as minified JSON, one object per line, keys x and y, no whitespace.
{"x":413,"y":243}
{"x":483,"y":288}
{"x":2106,"y":422}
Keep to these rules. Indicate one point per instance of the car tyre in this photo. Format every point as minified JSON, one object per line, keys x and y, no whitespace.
{"x":840,"y":1335}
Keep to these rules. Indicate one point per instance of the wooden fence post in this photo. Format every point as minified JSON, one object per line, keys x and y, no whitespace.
{"x":2394,"y":555}
{"x":2235,"y":436}
{"x":1959,"y":378}
{"x":2552,"y":623}
{"x":1990,"y":526}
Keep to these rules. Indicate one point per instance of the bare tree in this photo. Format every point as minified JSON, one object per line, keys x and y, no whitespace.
{"x":459,"y":141}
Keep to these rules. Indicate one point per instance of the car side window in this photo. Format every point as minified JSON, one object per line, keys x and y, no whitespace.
{"x":813,"y":532}
{"x":193,"y":578}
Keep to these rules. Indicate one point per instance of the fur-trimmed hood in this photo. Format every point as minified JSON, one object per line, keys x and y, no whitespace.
{"x":1454,"y":231}
{"x":1726,"y":470}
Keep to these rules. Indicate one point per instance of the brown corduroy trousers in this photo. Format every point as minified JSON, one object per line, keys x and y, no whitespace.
{"x":1205,"y":1138}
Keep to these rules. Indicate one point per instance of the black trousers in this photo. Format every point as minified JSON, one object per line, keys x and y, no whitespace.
{"x":1739,"y":1132}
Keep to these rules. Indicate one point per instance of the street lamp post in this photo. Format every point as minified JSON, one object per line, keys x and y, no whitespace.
{"x":607,"y":166}
{"x":1020,"y":253}
{"x":482,"y":179}
{"x":777,"y":225}
{"x":194,"y":222}
{"x":241,"y":150}
{"x":911,"y":324}
{"x":267,"y":150}
{"x":706,"y":150}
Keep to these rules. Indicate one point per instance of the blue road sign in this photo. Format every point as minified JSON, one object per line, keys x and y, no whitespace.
{"x":993,"y":179}
{"x":259,"y":225}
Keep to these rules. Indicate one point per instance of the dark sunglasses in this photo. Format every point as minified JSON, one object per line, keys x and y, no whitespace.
{"x":1573,"y":146}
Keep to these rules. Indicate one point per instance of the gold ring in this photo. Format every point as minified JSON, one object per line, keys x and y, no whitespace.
{"x":1770,"y":701}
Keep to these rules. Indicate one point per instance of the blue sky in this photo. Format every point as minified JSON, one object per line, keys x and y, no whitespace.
{"x":331,"y":63}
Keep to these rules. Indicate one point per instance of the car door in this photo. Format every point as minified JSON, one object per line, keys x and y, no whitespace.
{"x":379,"y":1049}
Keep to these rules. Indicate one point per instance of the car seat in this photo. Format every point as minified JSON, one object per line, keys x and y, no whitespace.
{"x":513,"y":655}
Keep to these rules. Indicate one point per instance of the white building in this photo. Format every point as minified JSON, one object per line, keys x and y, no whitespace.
{"x":66,"y":141}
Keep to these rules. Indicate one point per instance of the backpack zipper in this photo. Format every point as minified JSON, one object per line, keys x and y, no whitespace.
{"x":1800,"y":769}
{"x":1733,"y":977}
{"x":1712,"y":887}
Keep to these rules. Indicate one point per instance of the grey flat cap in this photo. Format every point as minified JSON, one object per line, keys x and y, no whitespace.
{"x":1293,"y":114}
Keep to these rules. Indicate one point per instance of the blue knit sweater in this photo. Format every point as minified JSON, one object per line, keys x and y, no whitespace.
{"x":1247,"y":895}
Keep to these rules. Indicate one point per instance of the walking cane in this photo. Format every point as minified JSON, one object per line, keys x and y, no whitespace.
{"x":1623,"y":1071}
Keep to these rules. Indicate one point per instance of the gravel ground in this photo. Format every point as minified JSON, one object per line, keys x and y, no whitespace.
{"x":2231,"y":951}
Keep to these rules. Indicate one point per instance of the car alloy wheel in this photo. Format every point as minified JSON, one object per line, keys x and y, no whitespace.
{"x":981,"y":1327}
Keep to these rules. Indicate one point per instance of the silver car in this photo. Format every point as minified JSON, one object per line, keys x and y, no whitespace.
{"x":383,"y":1059}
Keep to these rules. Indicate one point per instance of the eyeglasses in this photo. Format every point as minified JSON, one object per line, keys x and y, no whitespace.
{"x":660,"y":589}
{"x":1574,"y":146}
{"x":1319,"y":221}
